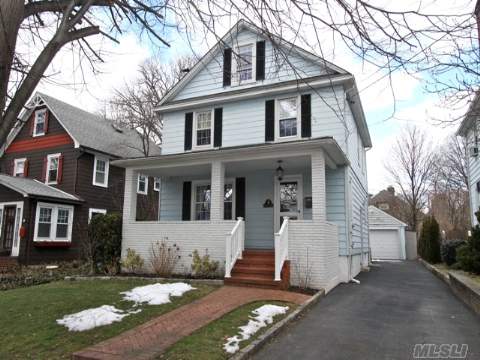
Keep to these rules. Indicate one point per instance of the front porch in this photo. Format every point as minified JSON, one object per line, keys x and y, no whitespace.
{"x":223,"y":202}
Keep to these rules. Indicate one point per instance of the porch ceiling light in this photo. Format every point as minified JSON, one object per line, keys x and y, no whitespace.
{"x":279,"y":170}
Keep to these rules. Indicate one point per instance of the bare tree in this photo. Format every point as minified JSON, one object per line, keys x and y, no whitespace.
{"x":134,"y":105}
{"x":410,"y":166}
{"x":411,"y":38}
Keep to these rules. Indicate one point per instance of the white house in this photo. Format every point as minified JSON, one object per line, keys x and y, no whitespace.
{"x":387,"y":235}
{"x":469,"y":129}
{"x":263,"y":151}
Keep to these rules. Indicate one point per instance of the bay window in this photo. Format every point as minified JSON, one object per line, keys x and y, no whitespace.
{"x":53,"y":222}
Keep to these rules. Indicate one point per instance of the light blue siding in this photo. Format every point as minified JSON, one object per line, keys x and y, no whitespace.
{"x":335,"y":196}
{"x":210,"y":79}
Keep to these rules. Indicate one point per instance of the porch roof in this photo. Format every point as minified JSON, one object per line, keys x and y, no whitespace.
{"x":334,"y":155}
{"x":33,"y":188}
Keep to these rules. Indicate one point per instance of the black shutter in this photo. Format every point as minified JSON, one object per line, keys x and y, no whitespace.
{"x":306,"y":108}
{"x":269,"y":120}
{"x":218,"y":119}
{"x":227,"y":67}
{"x":260,"y":69}
{"x":188,"y":131}
{"x":186,"y":200}
{"x":240,"y":197}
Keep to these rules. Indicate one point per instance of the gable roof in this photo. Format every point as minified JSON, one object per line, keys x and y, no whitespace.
{"x":470,"y":117}
{"x":241,"y":25}
{"x":29,"y":187}
{"x":379,"y":218}
{"x":92,"y":131}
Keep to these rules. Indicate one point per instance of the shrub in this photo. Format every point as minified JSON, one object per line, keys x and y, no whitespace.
{"x":449,"y":251}
{"x":203,"y":267}
{"x":133,"y":262}
{"x":468,"y":255}
{"x":429,"y":241}
{"x":164,"y":258}
{"x":105,"y":237}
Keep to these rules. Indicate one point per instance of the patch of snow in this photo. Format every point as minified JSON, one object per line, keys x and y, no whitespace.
{"x":262,"y":317}
{"x":156,"y":294}
{"x":92,"y":318}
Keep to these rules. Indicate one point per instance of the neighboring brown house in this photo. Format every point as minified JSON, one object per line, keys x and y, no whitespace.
{"x":452,"y":212}
{"x":55,"y":175}
{"x":387,"y":201}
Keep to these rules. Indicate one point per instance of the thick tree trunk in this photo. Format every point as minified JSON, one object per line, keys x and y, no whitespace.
{"x":11,"y":16}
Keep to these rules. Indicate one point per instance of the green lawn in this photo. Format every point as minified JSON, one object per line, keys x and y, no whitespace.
{"x":207,"y":342}
{"x":28,"y":329}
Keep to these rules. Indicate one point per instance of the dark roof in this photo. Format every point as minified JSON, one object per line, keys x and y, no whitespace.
{"x":29,"y":187}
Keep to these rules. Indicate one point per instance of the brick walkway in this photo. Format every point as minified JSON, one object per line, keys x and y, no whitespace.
{"x":155,"y":336}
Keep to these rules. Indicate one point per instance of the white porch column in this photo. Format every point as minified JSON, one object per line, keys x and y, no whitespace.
{"x":130,"y":196}
{"x":319,"y":203}
{"x":217,"y":190}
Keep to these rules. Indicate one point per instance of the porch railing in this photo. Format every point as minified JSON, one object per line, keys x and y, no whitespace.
{"x":281,"y":248}
{"x":235,"y":244}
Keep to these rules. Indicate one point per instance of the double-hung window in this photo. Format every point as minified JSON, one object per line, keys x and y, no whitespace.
{"x":245,"y":63}
{"x":202,"y":200}
{"x":19,"y":167}
{"x":142,"y":184}
{"x":53,"y":162}
{"x":53,"y":222}
{"x":288,"y":123}
{"x":100,"y":171}
{"x":203,"y":129}
{"x":39,"y":124}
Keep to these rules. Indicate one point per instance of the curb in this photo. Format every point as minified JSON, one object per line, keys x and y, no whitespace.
{"x":193,"y":281}
{"x":459,"y":286}
{"x":442,"y":276}
{"x":261,"y":341}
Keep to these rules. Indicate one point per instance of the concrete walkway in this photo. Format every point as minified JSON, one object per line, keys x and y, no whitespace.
{"x":396,"y":306}
{"x":149,"y":340}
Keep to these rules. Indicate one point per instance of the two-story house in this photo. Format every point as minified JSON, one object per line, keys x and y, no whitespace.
{"x":263,"y":166}
{"x":56,"y":174}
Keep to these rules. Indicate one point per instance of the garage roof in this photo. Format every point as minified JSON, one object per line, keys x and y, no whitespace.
{"x":379,"y":218}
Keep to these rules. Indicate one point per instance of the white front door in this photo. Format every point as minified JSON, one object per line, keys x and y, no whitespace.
{"x":288,"y":199}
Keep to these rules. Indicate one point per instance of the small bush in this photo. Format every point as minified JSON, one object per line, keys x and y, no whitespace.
{"x":203,"y":267}
{"x":164,"y":258}
{"x":105,"y":237}
{"x":449,"y":251}
{"x":133,"y":262}
{"x":468,"y":255}
{"x":429,"y":241}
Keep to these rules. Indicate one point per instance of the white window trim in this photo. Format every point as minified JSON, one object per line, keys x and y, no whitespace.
{"x":279,"y":138}
{"x":157,"y":181}
{"x":49,"y":158}
{"x":15,"y":165}
{"x":53,"y":224}
{"x":34,"y":134}
{"x":212,"y":130}
{"x":97,"y":211}
{"x":235,"y":81}
{"x":107,"y":170}
{"x":146,"y":184}
{"x":196,"y":183}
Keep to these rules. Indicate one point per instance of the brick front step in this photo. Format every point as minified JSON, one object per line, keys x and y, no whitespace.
{"x":257,"y":269}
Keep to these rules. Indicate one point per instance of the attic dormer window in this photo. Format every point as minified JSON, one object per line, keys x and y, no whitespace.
{"x":40,"y":122}
{"x":243,"y":68}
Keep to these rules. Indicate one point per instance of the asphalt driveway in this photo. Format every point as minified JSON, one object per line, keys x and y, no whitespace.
{"x":396,"y":306}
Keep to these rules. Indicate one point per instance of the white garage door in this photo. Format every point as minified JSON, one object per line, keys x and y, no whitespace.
{"x":385,"y":244}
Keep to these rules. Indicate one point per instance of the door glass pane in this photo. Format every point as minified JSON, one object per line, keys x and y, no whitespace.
{"x":288,"y":196}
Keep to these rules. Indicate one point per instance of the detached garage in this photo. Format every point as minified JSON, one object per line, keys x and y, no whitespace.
{"x":387,"y":235}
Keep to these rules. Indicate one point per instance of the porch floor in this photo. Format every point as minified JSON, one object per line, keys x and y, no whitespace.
{"x":151,"y":339}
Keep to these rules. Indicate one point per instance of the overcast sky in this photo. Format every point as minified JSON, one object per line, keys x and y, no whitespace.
{"x":413,"y":105}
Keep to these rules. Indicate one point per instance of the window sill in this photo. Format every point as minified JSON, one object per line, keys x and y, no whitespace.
{"x":50,"y":243}
{"x":38,"y":135}
{"x":142,"y":193}
{"x":100,"y":185}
